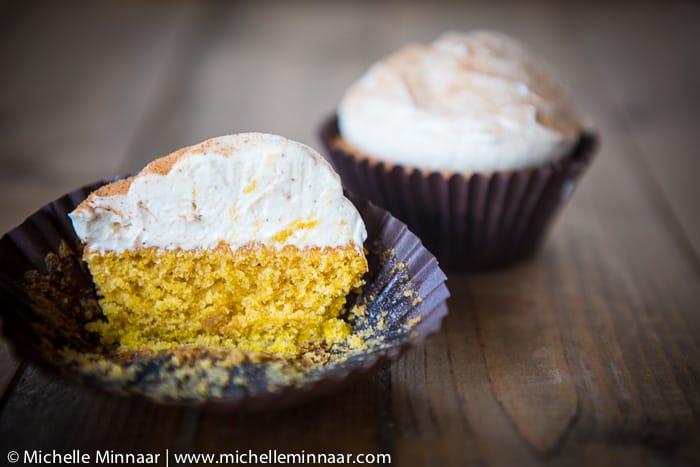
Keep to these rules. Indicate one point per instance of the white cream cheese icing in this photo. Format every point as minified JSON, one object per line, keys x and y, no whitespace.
{"x":466,"y":103}
{"x":235,"y":189}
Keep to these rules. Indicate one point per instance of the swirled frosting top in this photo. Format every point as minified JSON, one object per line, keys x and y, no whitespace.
{"x":465,"y":103}
{"x":232,"y":190}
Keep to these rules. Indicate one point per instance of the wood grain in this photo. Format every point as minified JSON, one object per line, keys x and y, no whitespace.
{"x":356,"y":420}
{"x":652,"y":80}
{"x":43,"y":413}
{"x":61,"y":133}
{"x":581,"y":359}
{"x":586,"y":354}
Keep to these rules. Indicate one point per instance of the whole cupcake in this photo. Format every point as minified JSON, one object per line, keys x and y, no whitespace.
{"x":470,"y":140}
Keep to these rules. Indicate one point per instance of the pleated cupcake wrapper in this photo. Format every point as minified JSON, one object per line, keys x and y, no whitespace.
{"x":468,"y":221}
{"x":45,"y":251}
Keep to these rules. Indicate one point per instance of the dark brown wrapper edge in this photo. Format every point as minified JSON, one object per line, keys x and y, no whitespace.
{"x":468,"y":222}
{"x":26,"y":247}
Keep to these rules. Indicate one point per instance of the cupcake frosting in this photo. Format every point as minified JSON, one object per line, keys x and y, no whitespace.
{"x":465,"y":103}
{"x":233,"y":190}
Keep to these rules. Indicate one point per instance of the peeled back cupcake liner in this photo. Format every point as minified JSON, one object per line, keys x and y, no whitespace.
{"x":468,"y":221}
{"x":47,"y":297}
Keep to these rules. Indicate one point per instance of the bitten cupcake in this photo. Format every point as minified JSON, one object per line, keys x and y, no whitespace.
{"x":241,"y":241}
{"x":469,"y":140}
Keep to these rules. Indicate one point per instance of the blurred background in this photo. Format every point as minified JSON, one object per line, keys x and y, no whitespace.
{"x":588,"y":352}
{"x":91,"y":90}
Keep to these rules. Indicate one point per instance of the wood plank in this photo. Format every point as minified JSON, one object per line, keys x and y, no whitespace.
{"x":586,"y":352}
{"x":650,"y":70}
{"x":432,"y":427}
{"x":245,"y":74}
{"x":105,"y":62}
{"x":45,"y":413}
{"x":362,"y":36}
{"x":352,"y":421}
{"x":504,"y":385}
{"x":248,"y":77}
{"x":80,"y":82}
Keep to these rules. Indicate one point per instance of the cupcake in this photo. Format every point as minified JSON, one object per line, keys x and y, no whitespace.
{"x":470,"y":140}
{"x":181,"y":353}
{"x":242,"y":241}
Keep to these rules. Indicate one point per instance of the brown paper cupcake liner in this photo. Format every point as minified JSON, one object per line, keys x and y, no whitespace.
{"x":47,"y":296}
{"x":468,"y":221}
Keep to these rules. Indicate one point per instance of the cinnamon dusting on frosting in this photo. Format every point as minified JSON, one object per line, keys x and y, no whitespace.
{"x":249,"y":187}
{"x":160,"y":166}
{"x":475,"y":102}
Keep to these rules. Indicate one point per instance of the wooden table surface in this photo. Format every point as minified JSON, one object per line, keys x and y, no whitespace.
{"x":586,"y":354}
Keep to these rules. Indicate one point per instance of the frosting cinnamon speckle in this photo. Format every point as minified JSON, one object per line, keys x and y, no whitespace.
{"x":235,"y":190}
{"x":465,"y":103}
